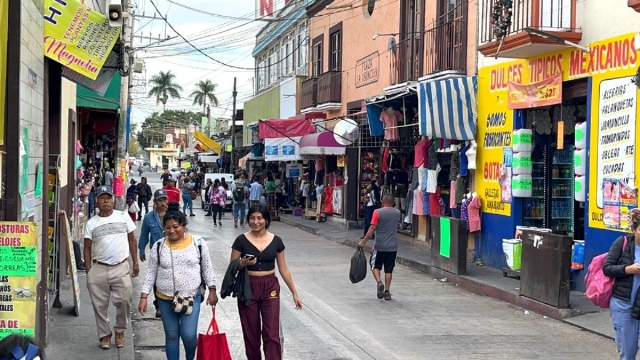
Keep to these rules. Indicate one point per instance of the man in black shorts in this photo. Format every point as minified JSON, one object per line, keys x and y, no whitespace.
{"x":384,"y":223}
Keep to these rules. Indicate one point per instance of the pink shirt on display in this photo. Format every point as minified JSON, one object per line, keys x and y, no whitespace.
{"x":390,"y":121}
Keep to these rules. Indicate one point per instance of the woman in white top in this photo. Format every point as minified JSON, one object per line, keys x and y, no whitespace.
{"x":179,"y":266}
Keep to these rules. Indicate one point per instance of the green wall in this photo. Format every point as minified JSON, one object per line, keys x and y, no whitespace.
{"x":264,"y":106}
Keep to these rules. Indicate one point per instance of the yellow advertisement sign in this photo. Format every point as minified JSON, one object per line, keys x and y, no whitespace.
{"x":610,"y":63}
{"x":4,"y":21}
{"x":77,"y":37}
{"x":18,"y":278}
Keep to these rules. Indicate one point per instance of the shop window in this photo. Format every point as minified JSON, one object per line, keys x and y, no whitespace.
{"x":262,"y":72}
{"x":335,"y":47}
{"x":273,"y":65}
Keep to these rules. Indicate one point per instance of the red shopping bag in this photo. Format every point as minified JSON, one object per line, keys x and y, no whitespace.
{"x":213,"y":345}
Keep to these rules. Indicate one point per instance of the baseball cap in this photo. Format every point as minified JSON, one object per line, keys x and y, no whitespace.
{"x":160,"y":194}
{"x":104,"y":189}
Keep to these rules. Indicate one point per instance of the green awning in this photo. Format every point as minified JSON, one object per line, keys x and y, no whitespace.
{"x":110,"y":101}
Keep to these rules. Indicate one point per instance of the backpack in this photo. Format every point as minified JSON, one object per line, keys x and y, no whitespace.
{"x":599,"y":287}
{"x":196,"y":243}
{"x":239,"y":194}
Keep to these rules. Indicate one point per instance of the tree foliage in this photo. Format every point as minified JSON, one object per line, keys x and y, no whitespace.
{"x":134,"y":149}
{"x":205,"y":91}
{"x":163,"y":87}
{"x":154,"y":128}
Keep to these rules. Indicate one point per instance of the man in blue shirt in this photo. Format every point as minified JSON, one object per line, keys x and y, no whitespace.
{"x":256,"y":191}
{"x":152,"y":229}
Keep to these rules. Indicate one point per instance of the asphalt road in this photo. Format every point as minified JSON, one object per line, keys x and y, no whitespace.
{"x":426,"y":319}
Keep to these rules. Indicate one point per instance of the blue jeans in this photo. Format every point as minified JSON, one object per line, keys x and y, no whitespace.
{"x":187,"y":202}
{"x":239,"y":212}
{"x":180,"y":326}
{"x":626,"y":330}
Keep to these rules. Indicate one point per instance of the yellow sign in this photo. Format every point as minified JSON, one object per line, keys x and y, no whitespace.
{"x":18,"y":278}
{"x":340,"y":161}
{"x":613,"y":114}
{"x":77,"y":37}
{"x":4,"y":21}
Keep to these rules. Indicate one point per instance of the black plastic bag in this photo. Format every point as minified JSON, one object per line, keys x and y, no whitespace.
{"x":358,"y":269}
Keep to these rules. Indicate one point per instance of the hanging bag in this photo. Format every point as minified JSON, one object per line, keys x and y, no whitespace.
{"x":133,"y":208}
{"x":213,"y":345}
{"x":358,"y":271}
{"x":599,"y":287}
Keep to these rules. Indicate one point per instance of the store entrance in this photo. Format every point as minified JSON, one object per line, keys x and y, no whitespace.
{"x":553,"y":204}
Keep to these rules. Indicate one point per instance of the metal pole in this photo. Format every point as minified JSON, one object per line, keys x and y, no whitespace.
{"x":208,"y":120}
{"x":233,"y":126}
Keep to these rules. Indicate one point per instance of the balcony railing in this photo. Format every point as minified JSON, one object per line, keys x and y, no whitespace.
{"x":330,"y":87}
{"x":545,"y":15}
{"x":446,"y":47}
{"x":309,"y":93}
{"x":405,"y":61}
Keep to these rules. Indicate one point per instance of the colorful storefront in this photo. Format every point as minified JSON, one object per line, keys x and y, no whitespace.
{"x":572,"y":178}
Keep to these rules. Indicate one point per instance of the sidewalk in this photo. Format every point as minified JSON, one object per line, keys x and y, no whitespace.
{"x":480,"y":280}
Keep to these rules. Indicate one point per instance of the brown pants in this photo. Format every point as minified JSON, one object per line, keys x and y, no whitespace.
{"x":262,"y":317}
{"x":110,"y":283}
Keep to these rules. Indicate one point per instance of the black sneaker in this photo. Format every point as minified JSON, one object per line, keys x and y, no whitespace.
{"x":380,"y":290}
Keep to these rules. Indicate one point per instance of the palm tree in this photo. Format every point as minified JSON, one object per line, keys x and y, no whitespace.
{"x":205,"y":90}
{"x":163,"y":87}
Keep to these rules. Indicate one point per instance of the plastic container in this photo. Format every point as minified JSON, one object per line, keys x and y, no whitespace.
{"x":577,"y":257}
{"x":522,"y":164}
{"x":580,"y":161}
{"x":521,"y":186}
{"x":512,"y":249}
{"x":580,"y":188}
{"x":580,"y":135}
{"x":522,"y":140}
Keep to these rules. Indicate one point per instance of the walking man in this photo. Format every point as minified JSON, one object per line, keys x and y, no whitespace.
{"x":152,"y":230}
{"x":108,"y":177}
{"x":108,"y":243}
{"x":172,"y":191}
{"x":144,"y":195}
{"x":239,"y":191}
{"x":255,"y":193}
{"x":384,"y":223}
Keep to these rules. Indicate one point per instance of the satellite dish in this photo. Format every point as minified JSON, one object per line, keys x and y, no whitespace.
{"x":346,"y":132}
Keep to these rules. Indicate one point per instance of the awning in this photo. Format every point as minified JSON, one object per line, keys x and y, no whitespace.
{"x":277,"y":128}
{"x":448,"y":108}
{"x":242,"y":163}
{"x":109,"y":101}
{"x":322,"y":143}
{"x":207,"y":142}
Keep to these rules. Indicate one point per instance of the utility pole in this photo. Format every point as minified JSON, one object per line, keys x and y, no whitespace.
{"x":233,"y":127}
{"x":208,"y":121}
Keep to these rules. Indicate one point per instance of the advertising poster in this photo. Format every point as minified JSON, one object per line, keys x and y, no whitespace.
{"x":282,"y":149}
{"x":101,"y":83}
{"x":18,"y":278}
{"x":618,"y":201}
{"x":78,"y":37}
{"x":542,"y":93}
{"x":4,"y":23}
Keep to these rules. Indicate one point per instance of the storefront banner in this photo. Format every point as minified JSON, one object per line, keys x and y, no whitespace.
{"x":542,"y":93}
{"x":18,"y":278}
{"x":99,"y":85}
{"x":78,"y":37}
{"x":282,"y":149}
{"x":278,"y":128}
{"x":4,"y":21}
{"x":619,"y":200}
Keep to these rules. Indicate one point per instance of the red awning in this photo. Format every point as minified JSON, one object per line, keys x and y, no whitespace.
{"x":282,"y":128}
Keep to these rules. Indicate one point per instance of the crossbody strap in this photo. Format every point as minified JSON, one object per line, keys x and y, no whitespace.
{"x":173,"y":272}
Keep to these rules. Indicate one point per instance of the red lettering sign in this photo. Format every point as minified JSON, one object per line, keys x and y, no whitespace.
{"x":609,"y":56}
{"x":545,"y":67}
{"x":500,"y":77}
{"x":491,"y":171}
{"x":266,"y":7}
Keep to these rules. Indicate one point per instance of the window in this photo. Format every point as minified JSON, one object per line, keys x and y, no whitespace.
{"x":273,"y":66}
{"x":316,"y":56}
{"x":262,"y":72}
{"x":286,"y":55}
{"x":335,"y":47}
{"x":303,"y":47}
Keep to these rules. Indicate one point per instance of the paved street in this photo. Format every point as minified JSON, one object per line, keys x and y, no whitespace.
{"x":426,"y":319}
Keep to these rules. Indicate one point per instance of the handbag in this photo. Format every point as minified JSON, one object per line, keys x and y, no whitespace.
{"x":181,"y":304}
{"x":194,"y":194}
{"x":213,"y":345}
{"x":133,"y":208}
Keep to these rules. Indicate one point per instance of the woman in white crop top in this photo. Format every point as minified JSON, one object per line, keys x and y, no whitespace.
{"x":179,"y":263}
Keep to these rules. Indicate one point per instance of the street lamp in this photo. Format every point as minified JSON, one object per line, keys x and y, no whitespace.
{"x":558,"y":39}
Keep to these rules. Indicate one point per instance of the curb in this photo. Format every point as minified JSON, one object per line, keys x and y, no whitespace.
{"x":464,"y":282}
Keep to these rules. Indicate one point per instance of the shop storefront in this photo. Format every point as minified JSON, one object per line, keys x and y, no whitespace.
{"x":556,"y":141}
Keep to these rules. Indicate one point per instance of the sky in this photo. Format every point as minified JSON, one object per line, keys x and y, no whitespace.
{"x":229,"y":38}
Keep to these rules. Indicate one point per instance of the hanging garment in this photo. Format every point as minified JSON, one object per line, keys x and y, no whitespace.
{"x":432,"y":179}
{"x":474,"y":214}
{"x":434,"y":203}
{"x":461,"y":189}
{"x":421,"y":153}
{"x":417,"y":202}
{"x":433,"y":156}
{"x":454,"y":169}
{"x":409,"y":208}
{"x":385,"y":159}
{"x":328,"y":200}
{"x":426,"y":204}
{"x":452,"y":196}
{"x":464,"y":211}
{"x":390,"y":121}
{"x":422,"y":178}
{"x":464,"y":161}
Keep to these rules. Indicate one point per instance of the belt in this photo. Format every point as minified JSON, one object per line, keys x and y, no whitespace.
{"x":105,"y":264}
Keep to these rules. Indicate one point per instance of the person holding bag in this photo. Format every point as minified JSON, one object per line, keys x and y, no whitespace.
{"x":623,"y":265}
{"x":179,"y":283}
{"x":259,"y":250}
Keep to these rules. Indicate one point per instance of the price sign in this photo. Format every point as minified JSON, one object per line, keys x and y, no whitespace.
{"x":522,"y":184}
{"x":577,"y":160}
{"x":18,"y":260}
{"x":524,"y":139}
{"x":578,"y":187}
{"x":548,"y":92}
{"x":542,"y":93}
{"x":579,"y":135}
{"x":522,"y":162}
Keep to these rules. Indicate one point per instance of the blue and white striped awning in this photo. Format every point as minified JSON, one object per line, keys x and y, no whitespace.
{"x":448,"y":108}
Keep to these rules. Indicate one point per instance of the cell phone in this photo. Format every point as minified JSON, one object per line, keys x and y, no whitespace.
{"x":249,"y":256}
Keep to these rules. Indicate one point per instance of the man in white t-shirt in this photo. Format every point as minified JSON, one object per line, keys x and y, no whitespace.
{"x":108,"y":243}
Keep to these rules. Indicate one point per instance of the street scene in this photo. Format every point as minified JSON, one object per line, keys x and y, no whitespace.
{"x":319,"y":179}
